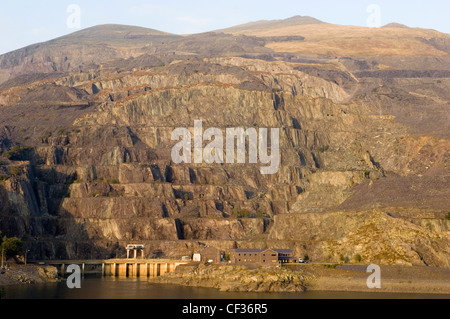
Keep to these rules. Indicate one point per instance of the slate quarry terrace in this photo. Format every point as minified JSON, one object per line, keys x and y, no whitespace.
{"x":214,"y":151}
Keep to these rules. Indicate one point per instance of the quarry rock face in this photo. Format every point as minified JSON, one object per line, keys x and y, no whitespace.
{"x":87,"y":167}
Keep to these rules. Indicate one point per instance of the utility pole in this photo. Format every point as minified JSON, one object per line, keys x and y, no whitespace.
{"x":26,"y":252}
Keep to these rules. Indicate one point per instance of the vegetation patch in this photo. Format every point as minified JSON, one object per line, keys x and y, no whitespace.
{"x":17,"y":153}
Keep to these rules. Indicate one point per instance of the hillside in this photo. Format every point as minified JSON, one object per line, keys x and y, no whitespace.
{"x":339,"y":40}
{"x":85,"y":137}
{"x":85,"y":49}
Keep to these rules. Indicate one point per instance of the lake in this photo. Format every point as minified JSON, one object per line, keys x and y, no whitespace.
{"x":135,"y":288}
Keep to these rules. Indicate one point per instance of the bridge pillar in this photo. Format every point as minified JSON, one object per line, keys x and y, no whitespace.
{"x":163,"y":269}
{"x":122,"y":270}
{"x":82,"y":269}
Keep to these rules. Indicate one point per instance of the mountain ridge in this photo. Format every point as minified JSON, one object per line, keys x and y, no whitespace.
{"x":86,"y":126}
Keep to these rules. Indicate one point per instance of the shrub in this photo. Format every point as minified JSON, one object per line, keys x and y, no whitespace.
{"x":63,"y":131}
{"x":12,"y":246}
{"x":235,"y":212}
{"x":99,"y":181}
{"x":105,"y":181}
{"x":358,"y":258}
{"x":14,"y":170}
{"x":323,"y":149}
{"x":186,"y":197}
{"x":448,"y":216}
{"x":330,"y":266}
{"x":96,"y":194}
{"x":45,"y":135}
{"x":245,"y":213}
{"x":4,"y":177}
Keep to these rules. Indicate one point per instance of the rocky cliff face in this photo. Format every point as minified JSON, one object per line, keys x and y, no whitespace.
{"x":98,"y":172}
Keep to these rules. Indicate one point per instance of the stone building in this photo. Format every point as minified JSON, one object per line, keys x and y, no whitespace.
{"x":210,"y":254}
{"x":262,"y":256}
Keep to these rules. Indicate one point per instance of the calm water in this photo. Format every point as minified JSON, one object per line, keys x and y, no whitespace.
{"x":114,"y":288}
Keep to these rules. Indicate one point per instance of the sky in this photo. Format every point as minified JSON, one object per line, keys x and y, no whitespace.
{"x":27,"y":22}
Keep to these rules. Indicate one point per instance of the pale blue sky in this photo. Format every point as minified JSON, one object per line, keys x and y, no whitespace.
{"x":27,"y":22}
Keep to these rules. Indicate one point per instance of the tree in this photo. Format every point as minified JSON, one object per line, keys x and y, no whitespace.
{"x":13,"y":246}
{"x":358,"y":258}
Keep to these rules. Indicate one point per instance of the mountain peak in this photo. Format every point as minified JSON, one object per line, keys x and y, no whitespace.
{"x":272,"y":24}
{"x":396,"y":25}
{"x":112,"y":32}
{"x":302,"y":20}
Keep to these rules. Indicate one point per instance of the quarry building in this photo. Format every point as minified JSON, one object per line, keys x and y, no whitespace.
{"x":262,"y":256}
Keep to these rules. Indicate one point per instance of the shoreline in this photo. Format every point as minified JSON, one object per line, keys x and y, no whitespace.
{"x":19,"y":274}
{"x":347,"y":278}
{"x":312,"y":278}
